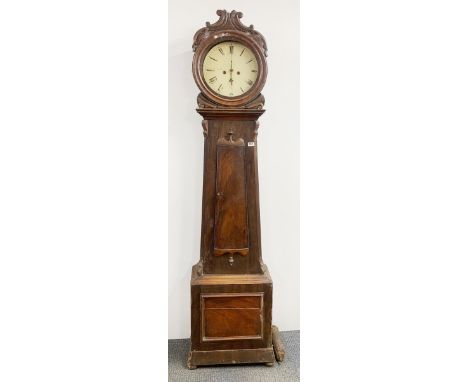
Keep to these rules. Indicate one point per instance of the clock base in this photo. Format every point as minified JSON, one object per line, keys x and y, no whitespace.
{"x":230,"y":357}
{"x":231,"y":319}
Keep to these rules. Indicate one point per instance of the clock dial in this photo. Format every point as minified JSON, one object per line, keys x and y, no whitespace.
{"x":230,"y":69}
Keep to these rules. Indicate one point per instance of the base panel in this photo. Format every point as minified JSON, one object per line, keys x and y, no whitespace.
{"x":220,"y":357}
{"x":231,"y":319}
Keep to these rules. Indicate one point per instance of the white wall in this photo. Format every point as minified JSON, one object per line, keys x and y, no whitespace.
{"x":278,"y":150}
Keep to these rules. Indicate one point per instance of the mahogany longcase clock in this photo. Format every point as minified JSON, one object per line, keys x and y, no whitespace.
{"x":231,"y":289}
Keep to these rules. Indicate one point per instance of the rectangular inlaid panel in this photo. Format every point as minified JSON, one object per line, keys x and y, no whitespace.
{"x":231,"y":230}
{"x":240,"y":301}
{"x":232,"y":316}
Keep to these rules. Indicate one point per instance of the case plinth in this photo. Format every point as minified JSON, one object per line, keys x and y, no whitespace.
{"x":231,"y":319}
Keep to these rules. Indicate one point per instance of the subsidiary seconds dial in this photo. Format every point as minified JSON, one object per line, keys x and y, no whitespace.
{"x":230,"y":69}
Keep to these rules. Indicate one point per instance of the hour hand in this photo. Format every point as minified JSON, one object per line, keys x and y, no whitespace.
{"x":230,"y":76}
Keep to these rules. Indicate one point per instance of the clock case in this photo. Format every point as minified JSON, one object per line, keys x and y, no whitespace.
{"x":231,"y":288}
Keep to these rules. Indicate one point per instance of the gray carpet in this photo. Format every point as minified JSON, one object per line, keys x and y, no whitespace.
{"x":288,"y":370}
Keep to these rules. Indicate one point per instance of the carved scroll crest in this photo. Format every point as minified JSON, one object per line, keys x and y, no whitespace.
{"x":228,"y":21}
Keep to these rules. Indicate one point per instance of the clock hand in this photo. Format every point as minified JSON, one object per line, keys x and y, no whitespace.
{"x":230,"y":73}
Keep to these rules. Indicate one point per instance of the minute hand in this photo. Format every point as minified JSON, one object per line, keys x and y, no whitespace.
{"x":230,"y":73}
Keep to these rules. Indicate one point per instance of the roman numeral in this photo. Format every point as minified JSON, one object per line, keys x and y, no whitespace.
{"x":249,"y":61}
{"x":231,"y":49}
{"x":242,"y":90}
{"x":249,"y":82}
{"x":220,"y":86}
{"x":253,"y":70}
{"x":212,"y":79}
{"x":221,"y":50}
{"x":242,"y":52}
{"x":214,"y":59}
{"x":209,"y":70}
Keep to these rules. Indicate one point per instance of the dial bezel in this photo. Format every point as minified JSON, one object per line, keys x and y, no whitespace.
{"x":199,"y":58}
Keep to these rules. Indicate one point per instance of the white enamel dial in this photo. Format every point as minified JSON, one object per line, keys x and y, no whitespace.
{"x":230,"y":69}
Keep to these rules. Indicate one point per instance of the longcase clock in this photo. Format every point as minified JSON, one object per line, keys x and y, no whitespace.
{"x":231,"y":289}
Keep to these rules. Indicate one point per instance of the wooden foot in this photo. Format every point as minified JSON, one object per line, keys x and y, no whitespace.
{"x":270,"y":364}
{"x":278,"y":346}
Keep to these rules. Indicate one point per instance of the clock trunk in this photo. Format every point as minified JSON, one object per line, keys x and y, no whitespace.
{"x":230,"y":234}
